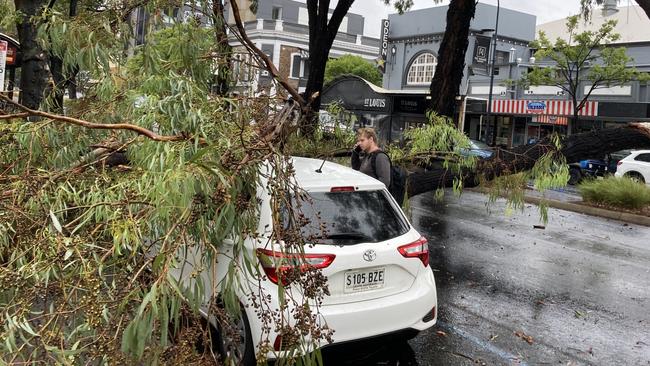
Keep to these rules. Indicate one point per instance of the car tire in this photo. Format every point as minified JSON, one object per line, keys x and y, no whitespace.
{"x":575,"y":176}
{"x":636,"y":176}
{"x":235,"y":343}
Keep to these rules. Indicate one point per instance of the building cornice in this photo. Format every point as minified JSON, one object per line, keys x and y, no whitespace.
{"x":256,"y":35}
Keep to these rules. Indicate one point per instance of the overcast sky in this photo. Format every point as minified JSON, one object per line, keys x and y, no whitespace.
{"x":546,"y":10}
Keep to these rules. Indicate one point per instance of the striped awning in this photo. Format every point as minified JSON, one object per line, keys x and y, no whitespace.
{"x":553,"y":120}
{"x":548,"y":107}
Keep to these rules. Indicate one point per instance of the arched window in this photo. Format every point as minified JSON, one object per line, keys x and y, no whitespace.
{"x":421,"y":69}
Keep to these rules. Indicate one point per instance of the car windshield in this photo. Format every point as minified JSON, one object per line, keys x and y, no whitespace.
{"x":347,"y":218}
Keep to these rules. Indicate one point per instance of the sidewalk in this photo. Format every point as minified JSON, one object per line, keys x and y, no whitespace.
{"x":569,"y":199}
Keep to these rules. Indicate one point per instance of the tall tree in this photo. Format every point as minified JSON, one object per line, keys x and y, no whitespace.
{"x":33,"y":71}
{"x":223,"y":47}
{"x":582,"y":60}
{"x":451,"y":57}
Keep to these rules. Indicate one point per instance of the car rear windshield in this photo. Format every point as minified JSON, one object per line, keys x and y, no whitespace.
{"x":347,"y":218}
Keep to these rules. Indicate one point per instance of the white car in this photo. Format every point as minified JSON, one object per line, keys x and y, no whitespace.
{"x":376,"y":263}
{"x":635,"y":166}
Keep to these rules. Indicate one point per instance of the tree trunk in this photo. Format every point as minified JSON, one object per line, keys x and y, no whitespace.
{"x":321,"y":37}
{"x":33,"y":72}
{"x":223,"y":48}
{"x":521,"y":158}
{"x":451,"y":57}
{"x":71,"y":79}
{"x":56,"y":70}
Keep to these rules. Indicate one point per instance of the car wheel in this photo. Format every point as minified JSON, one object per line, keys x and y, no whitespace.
{"x":635,"y":176}
{"x":235,"y":342}
{"x":575,"y":176}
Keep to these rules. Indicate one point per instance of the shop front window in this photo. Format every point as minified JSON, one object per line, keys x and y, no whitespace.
{"x":504,"y":130}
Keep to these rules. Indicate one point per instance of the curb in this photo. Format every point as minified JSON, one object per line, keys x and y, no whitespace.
{"x":589,"y":210}
{"x":583,"y":209}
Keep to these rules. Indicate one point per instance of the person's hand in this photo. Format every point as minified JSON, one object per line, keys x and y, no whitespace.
{"x":357,"y":148}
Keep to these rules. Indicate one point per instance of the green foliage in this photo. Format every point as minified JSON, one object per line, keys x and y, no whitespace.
{"x":582,"y":57}
{"x":87,"y":251}
{"x":162,"y":54}
{"x":617,"y":192}
{"x":354,"y":65}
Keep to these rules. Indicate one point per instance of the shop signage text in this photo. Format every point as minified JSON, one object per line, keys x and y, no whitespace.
{"x":383,"y":50}
{"x":374,"y":102}
{"x":536,"y":107}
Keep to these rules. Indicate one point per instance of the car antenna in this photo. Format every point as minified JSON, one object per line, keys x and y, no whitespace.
{"x":319,"y":170}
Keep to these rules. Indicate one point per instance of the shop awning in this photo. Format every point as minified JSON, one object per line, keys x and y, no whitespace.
{"x":544,"y":107}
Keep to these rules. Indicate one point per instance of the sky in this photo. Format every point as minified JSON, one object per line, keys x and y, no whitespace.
{"x":545,"y":10}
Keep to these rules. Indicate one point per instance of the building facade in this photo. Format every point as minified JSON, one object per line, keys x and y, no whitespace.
{"x":520,"y":114}
{"x":280,"y":28}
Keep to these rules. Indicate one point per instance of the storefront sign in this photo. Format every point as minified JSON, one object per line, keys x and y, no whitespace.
{"x":374,"y":102}
{"x":383,"y":50}
{"x":3,"y":57}
{"x":551,"y":107}
{"x":481,"y":53}
{"x":535,"y":107}
{"x":410,"y":104}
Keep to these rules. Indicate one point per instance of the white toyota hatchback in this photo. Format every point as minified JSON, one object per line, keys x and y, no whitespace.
{"x":635,"y":166}
{"x":375,"y":262}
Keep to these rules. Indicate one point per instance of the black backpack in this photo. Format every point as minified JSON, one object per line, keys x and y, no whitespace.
{"x":398,"y":177}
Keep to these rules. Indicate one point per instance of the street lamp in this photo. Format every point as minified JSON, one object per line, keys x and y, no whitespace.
{"x":494,"y":54}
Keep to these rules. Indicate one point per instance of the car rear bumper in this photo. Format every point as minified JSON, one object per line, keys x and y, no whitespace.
{"x":409,"y":311}
{"x":370,"y":318}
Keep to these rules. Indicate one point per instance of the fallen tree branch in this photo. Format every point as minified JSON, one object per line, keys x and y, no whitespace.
{"x":100,"y":126}
{"x":574,"y":148}
{"x":17,"y":115}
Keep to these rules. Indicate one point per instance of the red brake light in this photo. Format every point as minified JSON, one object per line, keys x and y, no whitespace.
{"x":277,"y":345}
{"x":288,"y":262}
{"x":416,"y":249}
{"x":619,"y":162}
{"x":342,"y":189}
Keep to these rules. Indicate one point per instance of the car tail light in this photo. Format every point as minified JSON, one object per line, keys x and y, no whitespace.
{"x":417,"y":249}
{"x":342,"y":189}
{"x":271,"y":259}
{"x":619,"y":162}
{"x":277,"y":345}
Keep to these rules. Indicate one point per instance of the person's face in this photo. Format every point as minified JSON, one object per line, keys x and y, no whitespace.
{"x":365,"y":142}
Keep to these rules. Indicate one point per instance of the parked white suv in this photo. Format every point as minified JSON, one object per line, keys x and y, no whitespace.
{"x":376,"y":263}
{"x":635,"y":166}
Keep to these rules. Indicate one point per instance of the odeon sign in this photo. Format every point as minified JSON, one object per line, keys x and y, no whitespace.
{"x":536,"y":107}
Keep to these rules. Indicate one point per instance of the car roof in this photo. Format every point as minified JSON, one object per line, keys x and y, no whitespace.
{"x":331,"y":175}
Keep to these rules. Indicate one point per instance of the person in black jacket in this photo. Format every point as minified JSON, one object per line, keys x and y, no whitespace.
{"x":367,"y":149}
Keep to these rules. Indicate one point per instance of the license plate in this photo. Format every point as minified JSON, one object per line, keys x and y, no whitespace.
{"x":365,"y":279}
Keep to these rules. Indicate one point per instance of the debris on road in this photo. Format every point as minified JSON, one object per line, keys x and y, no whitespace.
{"x":542,"y":227}
{"x":494,"y":337}
{"x":525,"y":337}
{"x":441,"y":333}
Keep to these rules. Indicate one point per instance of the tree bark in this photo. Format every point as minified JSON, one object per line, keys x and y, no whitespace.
{"x":56,"y":70}
{"x":451,"y":58}
{"x":33,"y":72}
{"x":223,"y":48}
{"x":321,"y":37}
{"x":521,"y":158}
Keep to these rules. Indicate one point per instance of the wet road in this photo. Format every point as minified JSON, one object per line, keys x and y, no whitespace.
{"x":574,"y":293}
